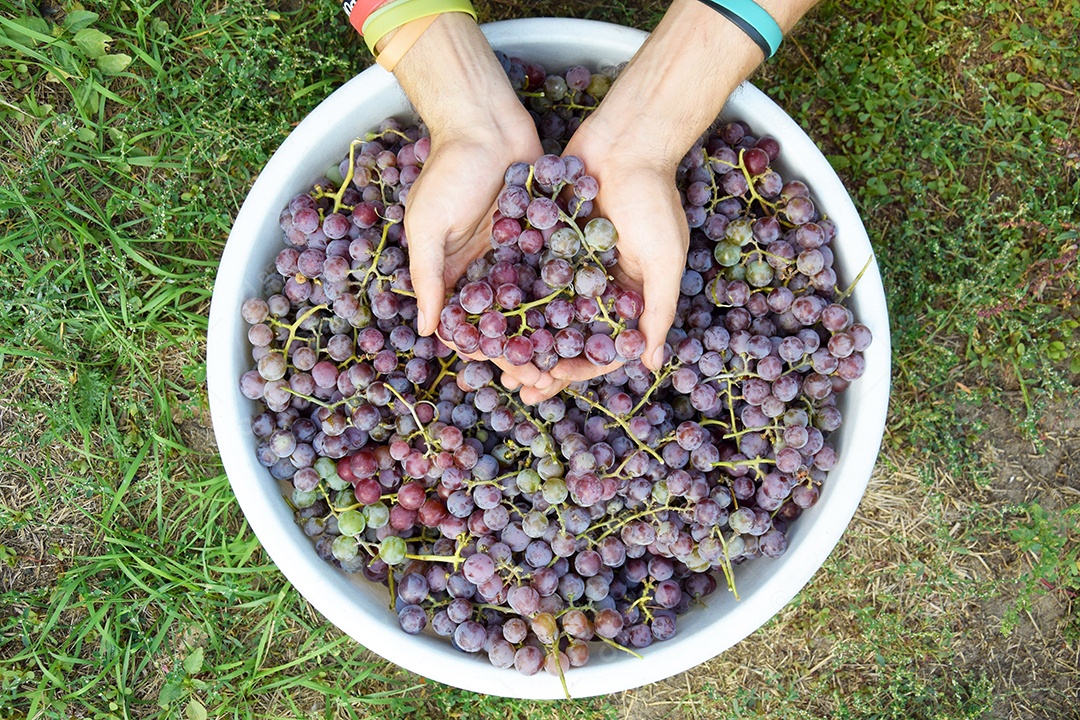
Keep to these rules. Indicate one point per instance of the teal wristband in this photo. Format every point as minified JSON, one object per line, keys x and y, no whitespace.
{"x":752,"y":19}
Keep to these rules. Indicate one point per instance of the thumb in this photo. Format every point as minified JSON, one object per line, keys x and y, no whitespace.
{"x":427,"y":259}
{"x":661,"y":291}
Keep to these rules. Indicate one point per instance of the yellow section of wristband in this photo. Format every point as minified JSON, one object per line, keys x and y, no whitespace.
{"x":394,"y":15}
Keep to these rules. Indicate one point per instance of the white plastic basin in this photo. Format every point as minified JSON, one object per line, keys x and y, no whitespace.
{"x":360,"y":608}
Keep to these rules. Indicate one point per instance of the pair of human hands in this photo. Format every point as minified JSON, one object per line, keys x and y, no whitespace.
{"x":668,"y":95}
{"x":448,"y":225}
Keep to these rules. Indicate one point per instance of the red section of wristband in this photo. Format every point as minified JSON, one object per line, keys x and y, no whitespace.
{"x":362,"y":10}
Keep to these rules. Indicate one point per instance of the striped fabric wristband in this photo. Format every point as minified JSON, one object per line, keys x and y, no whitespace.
{"x":360,"y":10}
{"x":753,"y":20}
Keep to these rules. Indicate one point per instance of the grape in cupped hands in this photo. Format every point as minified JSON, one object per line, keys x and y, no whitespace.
{"x":543,"y":297}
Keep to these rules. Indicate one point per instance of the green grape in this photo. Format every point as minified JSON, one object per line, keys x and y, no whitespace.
{"x":333,"y":174}
{"x":739,"y":232}
{"x":377,"y":515}
{"x":541,"y":445}
{"x":504,"y":454}
{"x":528,"y":481}
{"x":344,"y":548}
{"x":726,"y":254}
{"x":600,"y":234}
{"x":392,"y":550}
{"x":598,"y":86}
{"x":759,"y":273}
{"x":554,"y":490}
{"x":344,"y":498}
{"x":736,"y":273}
{"x":549,"y":467}
{"x":304,"y":498}
{"x":351,"y":523}
{"x":555,"y":87}
{"x":541,"y":104}
{"x":660,"y":494}
{"x":336,"y":483}
{"x":564,"y":243}
{"x":534,"y":523}
{"x":363,"y":317}
{"x":695,"y":563}
{"x":325,"y":467}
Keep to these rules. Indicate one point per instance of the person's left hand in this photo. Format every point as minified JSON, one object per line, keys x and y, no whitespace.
{"x":638,"y":195}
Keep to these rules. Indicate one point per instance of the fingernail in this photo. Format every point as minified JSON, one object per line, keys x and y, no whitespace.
{"x":421,"y":321}
{"x":544,"y":382}
{"x":658,"y":358}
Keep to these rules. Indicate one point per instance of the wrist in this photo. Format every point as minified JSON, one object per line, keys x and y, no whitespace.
{"x":676,"y":84}
{"x":455,"y":82}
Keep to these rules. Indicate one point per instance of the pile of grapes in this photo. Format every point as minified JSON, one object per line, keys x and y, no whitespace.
{"x":524,"y":533}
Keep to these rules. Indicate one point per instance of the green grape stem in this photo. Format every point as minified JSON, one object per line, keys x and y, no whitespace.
{"x":729,"y":573}
{"x":851,"y":288}
{"x":296,"y":326}
{"x":434,"y":447}
{"x":444,"y":371}
{"x":617,"y":646}
{"x":620,"y":523}
{"x":750,"y":183}
{"x":665,"y":372}
{"x":618,"y":420}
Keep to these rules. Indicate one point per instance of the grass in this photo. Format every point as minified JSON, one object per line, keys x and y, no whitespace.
{"x":130,"y":585}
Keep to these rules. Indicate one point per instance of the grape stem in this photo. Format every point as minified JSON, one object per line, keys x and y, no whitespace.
{"x":373,"y":269}
{"x":617,"y":646}
{"x":296,"y":326}
{"x":618,"y":419}
{"x":454,"y":559}
{"x":620,"y":523}
{"x":647,"y":588}
{"x":434,"y":448}
{"x":748,"y":462}
{"x":444,"y":371}
{"x":571,"y":222}
{"x":554,"y":650}
{"x":851,"y":288}
{"x":665,"y":372}
{"x":729,"y":574}
{"x":338,"y":205}
{"x":750,"y":183}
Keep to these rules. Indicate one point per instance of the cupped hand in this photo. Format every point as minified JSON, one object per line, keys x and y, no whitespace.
{"x":638,"y":195}
{"x":478,"y":128}
{"x":449,"y":207}
{"x":448,"y":221}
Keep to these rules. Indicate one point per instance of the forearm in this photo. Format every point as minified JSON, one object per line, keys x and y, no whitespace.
{"x":454,"y":80}
{"x":679,"y":80}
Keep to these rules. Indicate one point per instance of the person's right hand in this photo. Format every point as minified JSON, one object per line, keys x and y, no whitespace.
{"x":478,"y":128}
{"x":449,"y":207}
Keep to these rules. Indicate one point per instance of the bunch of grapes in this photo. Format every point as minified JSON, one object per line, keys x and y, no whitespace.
{"x":526,"y":534}
{"x":543,"y":293}
{"x":557,"y":103}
